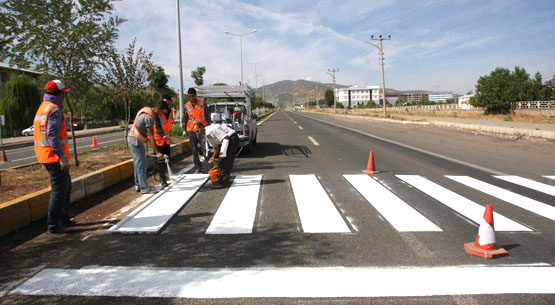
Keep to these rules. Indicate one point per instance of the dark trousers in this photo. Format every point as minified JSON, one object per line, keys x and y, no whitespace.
{"x":226,"y":164}
{"x":162,"y":168}
{"x":60,"y":184}
{"x":195,"y":149}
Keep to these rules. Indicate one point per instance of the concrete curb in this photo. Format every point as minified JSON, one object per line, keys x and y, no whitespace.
{"x":545,"y":134}
{"x":22,"y":211}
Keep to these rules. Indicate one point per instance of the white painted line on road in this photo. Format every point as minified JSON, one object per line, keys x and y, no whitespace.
{"x":399,"y":214}
{"x":300,"y":128}
{"x":290,"y":282}
{"x":529,"y":183}
{"x":317,"y":212}
{"x":550,"y":177}
{"x":265,"y":119}
{"x":151,"y":216}
{"x":313,"y":141}
{"x":461,"y":205}
{"x":237,"y":212}
{"x":526,"y":203}
{"x":294,"y":122}
{"x":471,"y":165}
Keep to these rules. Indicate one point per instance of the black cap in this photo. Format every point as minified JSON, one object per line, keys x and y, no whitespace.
{"x":192,"y":91}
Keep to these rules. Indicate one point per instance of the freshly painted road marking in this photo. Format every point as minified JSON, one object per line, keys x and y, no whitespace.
{"x":290,"y":282}
{"x":526,"y":203}
{"x":317,"y":212}
{"x":529,"y":183}
{"x":461,"y":205}
{"x":313,"y":141}
{"x":550,"y":177}
{"x":151,"y":216}
{"x":399,"y":214}
{"x":300,"y":128}
{"x":237,"y":212}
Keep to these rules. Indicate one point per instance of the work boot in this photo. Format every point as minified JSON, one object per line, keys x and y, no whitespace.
{"x":163,"y":181}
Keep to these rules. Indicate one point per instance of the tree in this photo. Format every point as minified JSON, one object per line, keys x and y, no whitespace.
{"x":198,"y":75}
{"x":128,"y":73}
{"x":64,"y":37}
{"x":158,"y":82}
{"x":329,"y":97}
{"x":497,"y":91}
{"x":21,"y":101}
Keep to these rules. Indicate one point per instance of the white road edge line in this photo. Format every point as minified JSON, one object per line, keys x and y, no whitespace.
{"x":300,"y":128}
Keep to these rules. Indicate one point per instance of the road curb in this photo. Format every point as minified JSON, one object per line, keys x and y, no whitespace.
{"x":24,"y":210}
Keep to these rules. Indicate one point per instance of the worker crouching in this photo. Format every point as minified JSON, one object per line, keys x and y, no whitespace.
{"x":225,"y":143}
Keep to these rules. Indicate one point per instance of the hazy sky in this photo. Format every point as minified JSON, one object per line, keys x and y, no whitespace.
{"x":435,"y":45}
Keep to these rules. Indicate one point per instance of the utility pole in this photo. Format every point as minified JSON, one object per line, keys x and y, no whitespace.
{"x":332,"y":73}
{"x":380,"y":48}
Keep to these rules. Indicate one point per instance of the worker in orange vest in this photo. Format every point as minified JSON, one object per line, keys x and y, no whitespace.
{"x":52,"y":151}
{"x":141,"y":131}
{"x":196,"y":113}
{"x":162,"y":132}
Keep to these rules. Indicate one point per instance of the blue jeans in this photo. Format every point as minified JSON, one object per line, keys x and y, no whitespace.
{"x":60,"y":184}
{"x":139,"y":165}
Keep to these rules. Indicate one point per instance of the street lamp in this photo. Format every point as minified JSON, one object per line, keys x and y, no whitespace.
{"x":380,"y":48}
{"x":241,"y":45}
{"x":255,"y":75}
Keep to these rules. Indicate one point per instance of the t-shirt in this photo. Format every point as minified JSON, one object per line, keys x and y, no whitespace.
{"x":143,"y":122}
{"x":215,"y":133}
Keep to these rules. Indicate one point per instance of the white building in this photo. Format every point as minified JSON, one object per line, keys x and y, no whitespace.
{"x":464,"y":101}
{"x":440,"y":97}
{"x":358,"y":95}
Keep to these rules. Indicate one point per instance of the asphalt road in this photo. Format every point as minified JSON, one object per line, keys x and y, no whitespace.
{"x":26,"y":155}
{"x":376,"y":242}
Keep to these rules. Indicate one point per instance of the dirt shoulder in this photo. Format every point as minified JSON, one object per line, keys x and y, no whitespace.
{"x":23,"y":180}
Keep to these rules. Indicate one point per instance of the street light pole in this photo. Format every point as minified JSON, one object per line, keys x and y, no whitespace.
{"x":241,"y":47}
{"x":255,"y":75}
{"x":332,"y":73}
{"x":181,"y":104}
{"x":380,"y":48}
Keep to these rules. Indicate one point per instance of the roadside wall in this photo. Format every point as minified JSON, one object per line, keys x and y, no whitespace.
{"x":24,"y":210}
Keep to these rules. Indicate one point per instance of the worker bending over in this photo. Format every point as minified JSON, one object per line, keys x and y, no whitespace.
{"x":216,"y":135}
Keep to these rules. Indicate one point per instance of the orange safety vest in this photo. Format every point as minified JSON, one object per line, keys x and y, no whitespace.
{"x":134,"y":131}
{"x":43,"y":150}
{"x":167,"y":122}
{"x":195,"y":114}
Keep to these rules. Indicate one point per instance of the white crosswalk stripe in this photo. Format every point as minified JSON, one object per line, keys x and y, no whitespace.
{"x":316,"y":210}
{"x":460,"y":204}
{"x":237,"y":212}
{"x":529,"y":183}
{"x":526,"y":203}
{"x":400,"y":215}
{"x":550,"y":177}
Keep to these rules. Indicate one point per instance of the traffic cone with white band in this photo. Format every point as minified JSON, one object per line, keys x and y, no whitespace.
{"x":484,"y":245}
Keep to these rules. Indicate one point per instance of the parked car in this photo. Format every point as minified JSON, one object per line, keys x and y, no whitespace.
{"x":234,"y":105}
{"x":28,"y":131}
{"x":76,"y":126}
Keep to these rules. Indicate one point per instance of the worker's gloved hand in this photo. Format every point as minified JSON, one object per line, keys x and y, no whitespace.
{"x":64,"y":162}
{"x":159,"y":156}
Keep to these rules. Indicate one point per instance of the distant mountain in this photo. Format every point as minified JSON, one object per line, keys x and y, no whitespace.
{"x":298,"y":91}
{"x":289,"y":91}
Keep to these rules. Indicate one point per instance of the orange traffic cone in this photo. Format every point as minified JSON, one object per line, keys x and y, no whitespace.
{"x":94,"y":144}
{"x":484,"y":245}
{"x":370,"y":167}
{"x":4,"y":158}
